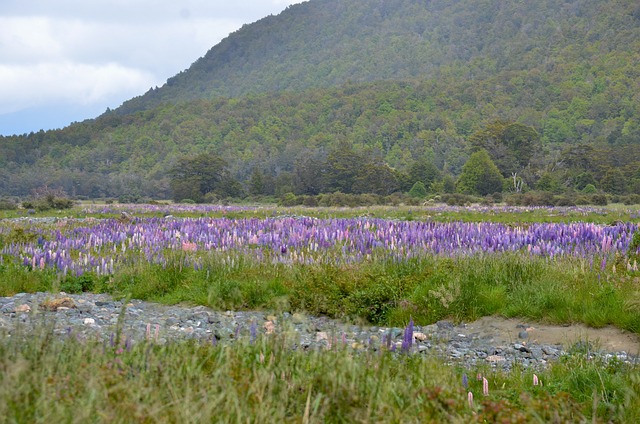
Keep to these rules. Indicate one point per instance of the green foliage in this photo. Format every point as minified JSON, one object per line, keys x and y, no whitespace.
{"x":543,"y":87}
{"x":78,"y":284}
{"x":270,"y":381}
{"x":480,"y":175}
{"x":45,"y":198}
{"x":7,"y":205}
{"x":511,"y":146}
{"x":194,"y":177}
{"x":634,"y":246}
{"x":418,"y":190}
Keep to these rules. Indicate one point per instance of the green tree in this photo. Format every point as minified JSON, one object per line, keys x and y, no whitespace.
{"x":308,"y":174}
{"x":418,"y":191}
{"x":480,"y":175}
{"x":377,"y":178}
{"x":194,"y":176}
{"x":256,"y":183}
{"x":511,"y":146}
{"x":342,"y":167}
{"x":424,"y":171}
{"x":614,"y":182}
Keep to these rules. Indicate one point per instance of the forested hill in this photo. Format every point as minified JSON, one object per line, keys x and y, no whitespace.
{"x":324,"y":43}
{"x":407,"y":85}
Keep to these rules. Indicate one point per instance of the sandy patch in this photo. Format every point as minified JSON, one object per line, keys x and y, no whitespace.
{"x":505,"y":331}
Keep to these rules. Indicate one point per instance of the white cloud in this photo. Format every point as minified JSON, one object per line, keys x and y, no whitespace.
{"x":103,"y":52}
{"x":61,"y":83}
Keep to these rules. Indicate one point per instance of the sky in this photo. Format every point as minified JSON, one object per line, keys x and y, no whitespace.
{"x":63,"y":61}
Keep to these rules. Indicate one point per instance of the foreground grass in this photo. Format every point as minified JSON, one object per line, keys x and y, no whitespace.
{"x":562,"y":291}
{"x":44,"y":379}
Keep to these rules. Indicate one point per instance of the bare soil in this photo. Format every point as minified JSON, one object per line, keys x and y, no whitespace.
{"x":505,"y":331}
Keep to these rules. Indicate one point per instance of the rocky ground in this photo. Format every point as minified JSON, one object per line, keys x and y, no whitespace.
{"x":498,"y":342}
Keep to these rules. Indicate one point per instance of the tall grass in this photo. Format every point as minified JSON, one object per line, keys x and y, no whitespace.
{"x":47,"y":379}
{"x":379,"y":292}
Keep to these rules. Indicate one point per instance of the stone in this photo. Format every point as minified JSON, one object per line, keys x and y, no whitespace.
{"x":495,"y":358}
{"x":8,"y":307}
{"x":89,"y":321}
{"x":523,"y":334}
{"x":445,"y":325}
{"x":322,"y":335}
{"x":420,"y":336}
{"x":269,"y":327}
{"x":23,"y":308}
{"x":58,"y":304}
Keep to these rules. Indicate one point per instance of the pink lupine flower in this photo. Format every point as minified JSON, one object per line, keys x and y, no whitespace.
{"x":485,"y":387}
{"x":535,"y":380}
{"x":189,"y":247}
{"x":470,"y":399}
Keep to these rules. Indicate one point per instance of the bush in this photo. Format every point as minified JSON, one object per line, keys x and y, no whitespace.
{"x":418,"y":191}
{"x":290,"y":199}
{"x":457,"y":199}
{"x":7,"y":205}
{"x":564,"y":201}
{"x":310,"y":201}
{"x":538,"y":198}
{"x":599,"y":200}
{"x":128,"y":198}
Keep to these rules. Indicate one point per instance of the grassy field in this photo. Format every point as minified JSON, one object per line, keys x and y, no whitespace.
{"x":44,"y":379}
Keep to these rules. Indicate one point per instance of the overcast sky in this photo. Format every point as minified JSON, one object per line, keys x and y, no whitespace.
{"x":68,"y":60}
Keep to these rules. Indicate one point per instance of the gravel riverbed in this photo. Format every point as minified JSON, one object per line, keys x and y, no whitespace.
{"x":90,"y":315}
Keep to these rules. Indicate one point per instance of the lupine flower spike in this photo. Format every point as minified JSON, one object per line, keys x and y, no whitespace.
{"x":485,"y":387}
{"x":470,"y":399}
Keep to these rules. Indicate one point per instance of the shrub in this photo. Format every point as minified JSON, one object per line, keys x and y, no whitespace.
{"x":599,"y":199}
{"x":418,"y":191}
{"x":290,"y":199}
{"x":538,"y":198}
{"x":7,"y":205}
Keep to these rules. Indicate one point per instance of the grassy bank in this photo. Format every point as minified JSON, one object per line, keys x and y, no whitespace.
{"x":384,"y":293}
{"x":44,"y":379}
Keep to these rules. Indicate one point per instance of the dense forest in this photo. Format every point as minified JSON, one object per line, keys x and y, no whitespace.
{"x":372,"y":96}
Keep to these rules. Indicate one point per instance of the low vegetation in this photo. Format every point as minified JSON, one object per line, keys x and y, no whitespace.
{"x":44,"y":378}
{"x":72,"y":379}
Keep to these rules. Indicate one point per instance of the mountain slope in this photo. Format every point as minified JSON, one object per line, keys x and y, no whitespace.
{"x":325,"y":43}
{"x":409,"y":80}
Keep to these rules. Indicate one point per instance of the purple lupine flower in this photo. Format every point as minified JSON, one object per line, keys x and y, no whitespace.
{"x":465,"y":381}
{"x":407,"y":339}
{"x":253,"y":332}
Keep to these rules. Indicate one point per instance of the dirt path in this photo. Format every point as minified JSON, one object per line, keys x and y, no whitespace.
{"x":505,"y":331}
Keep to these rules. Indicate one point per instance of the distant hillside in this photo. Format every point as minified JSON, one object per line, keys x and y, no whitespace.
{"x":325,"y":43}
{"x":407,"y":82}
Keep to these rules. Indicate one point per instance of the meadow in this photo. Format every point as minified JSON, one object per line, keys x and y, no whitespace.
{"x":383,"y":266}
